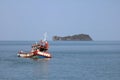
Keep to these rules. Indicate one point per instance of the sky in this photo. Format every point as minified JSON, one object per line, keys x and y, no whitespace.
{"x":30,"y":19}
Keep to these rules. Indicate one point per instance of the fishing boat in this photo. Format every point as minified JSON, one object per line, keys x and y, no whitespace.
{"x":39,"y":50}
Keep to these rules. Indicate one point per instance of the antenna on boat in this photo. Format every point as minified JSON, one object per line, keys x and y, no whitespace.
{"x":35,"y":42}
{"x":45,"y":36}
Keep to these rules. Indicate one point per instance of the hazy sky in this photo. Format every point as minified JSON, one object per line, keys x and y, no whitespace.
{"x":29,"y":19}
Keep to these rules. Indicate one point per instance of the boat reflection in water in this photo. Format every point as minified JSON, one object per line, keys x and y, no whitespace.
{"x":41,"y":70}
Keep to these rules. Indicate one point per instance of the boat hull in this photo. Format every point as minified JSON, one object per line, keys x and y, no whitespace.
{"x":31,"y":55}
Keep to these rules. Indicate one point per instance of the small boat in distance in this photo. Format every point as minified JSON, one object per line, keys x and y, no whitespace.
{"x":39,"y":50}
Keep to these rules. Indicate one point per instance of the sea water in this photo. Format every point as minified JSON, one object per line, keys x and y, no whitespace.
{"x":71,"y":60}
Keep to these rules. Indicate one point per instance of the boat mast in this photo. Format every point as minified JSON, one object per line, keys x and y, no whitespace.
{"x":45,"y":36}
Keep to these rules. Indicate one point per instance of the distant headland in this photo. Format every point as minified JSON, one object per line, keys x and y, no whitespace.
{"x":76,"y":37}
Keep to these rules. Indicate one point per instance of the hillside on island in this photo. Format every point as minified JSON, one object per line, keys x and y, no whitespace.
{"x":77,"y":37}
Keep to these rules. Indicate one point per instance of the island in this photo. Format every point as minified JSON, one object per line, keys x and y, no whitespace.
{"x":76,"y":37}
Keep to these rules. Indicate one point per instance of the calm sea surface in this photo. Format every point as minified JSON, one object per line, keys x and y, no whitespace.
{"x":80,"y":60}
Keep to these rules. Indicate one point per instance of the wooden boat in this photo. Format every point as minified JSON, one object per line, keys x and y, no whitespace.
{"x":39,"y":50}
